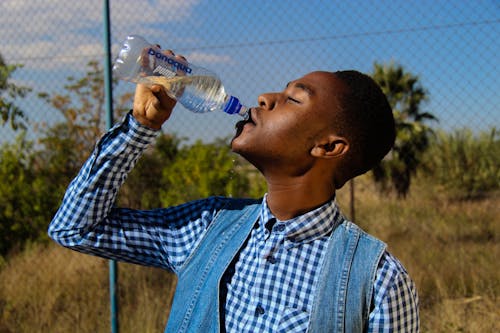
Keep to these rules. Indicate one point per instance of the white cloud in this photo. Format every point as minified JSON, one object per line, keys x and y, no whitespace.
{"x":63,"y":30}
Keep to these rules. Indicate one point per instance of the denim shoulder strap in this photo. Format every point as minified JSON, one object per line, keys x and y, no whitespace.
{"x":196,"y":301}
{"x":344,"y":292}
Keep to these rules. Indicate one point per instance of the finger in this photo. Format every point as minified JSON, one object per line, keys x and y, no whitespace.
{"x":156,"y":89}
{"x":161,"y":94}
{"x":180,"y":56}
{"x":182,"y":63}
{"x":169,"y":53}
{"x":145,"y":63}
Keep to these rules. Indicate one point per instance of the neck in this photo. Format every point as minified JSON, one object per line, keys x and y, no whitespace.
{"x":289,"y":198}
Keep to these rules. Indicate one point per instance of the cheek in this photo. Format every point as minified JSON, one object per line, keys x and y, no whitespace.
{"x":295,"y":128}
{"x":291,"y":136}
{"x":282,"y":130}
{"x":283,"y":123}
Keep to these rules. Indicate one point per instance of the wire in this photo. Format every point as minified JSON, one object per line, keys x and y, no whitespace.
{"x":290,"y":41}
{"x":347,"y":36}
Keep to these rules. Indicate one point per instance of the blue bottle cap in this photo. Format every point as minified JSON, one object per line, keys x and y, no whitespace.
{"x":232,"y":106}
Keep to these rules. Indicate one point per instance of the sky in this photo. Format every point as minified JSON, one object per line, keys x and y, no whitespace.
{"x":258,"y":46}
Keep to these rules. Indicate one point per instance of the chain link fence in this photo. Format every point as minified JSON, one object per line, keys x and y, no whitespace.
{"x":255,"y":47}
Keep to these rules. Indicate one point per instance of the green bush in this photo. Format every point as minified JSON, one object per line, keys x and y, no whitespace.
{"x":25,"y":205}
{"x":202,"y":170}
{"x":464,"y":163}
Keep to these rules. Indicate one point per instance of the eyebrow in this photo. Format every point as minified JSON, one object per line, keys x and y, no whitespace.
{"x":301,"y":86}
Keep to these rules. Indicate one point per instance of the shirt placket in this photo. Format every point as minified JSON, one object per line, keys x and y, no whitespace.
{"x":268,"y":258}
{"x":274,"y":239}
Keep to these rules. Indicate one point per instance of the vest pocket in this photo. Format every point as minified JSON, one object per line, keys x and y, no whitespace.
{"x":293,"y":321}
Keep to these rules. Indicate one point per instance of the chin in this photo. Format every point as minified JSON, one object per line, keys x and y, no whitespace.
{"x":237,"y":142}
{"x":235,"y":147}
{"x":238,"y":147}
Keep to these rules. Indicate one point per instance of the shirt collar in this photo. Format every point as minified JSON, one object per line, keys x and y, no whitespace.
{"x":307,"y":227}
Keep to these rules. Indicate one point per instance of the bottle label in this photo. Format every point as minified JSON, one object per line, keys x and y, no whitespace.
{"x":170,"y":61}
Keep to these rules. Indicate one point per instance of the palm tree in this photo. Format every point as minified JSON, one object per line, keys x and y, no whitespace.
{"x":405,"y":95}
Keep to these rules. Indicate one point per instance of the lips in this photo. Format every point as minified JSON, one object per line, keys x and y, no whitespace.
{"x":241,"y":124}
{"x":251,"y":115}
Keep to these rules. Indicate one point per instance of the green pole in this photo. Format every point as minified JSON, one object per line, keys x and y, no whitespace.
{"x":108,"y":90}
{"x":108,"y":67}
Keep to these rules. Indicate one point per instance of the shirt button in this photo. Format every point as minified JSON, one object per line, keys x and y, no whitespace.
{"x":271,"y":259}
{"x":259,"y":310}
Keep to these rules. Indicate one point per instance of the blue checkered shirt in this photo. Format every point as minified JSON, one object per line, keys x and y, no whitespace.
{"x":269,"y":286}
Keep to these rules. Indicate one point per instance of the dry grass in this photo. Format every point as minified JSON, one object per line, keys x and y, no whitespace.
{"x":450,"y":248}
{"x":51,"y":289}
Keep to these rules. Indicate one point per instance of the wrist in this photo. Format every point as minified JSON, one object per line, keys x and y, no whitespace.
{"x":137,"y":132}
{"x":146,"y":122}
{"x":142,"y":119}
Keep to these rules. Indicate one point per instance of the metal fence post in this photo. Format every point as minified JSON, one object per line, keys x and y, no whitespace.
{"x":108,"y":88}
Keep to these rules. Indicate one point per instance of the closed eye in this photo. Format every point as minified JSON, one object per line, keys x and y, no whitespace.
{"x":292,"y":100}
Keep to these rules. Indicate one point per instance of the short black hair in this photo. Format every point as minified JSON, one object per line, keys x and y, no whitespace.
{"x":365,"y":119}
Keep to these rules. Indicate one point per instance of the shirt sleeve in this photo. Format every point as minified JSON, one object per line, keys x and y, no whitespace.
{"x":395,"y":299}
{"x":87,"y":220}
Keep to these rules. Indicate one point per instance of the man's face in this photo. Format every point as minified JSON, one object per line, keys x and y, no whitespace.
{"x":286,"y":125}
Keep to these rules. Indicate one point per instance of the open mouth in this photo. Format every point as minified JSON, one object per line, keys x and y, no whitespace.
{"x":249,"y":120}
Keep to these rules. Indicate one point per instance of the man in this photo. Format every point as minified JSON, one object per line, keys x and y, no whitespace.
{"x":287,"y":263}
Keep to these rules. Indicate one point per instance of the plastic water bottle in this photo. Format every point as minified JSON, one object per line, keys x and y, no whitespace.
{"x":196,"y":88}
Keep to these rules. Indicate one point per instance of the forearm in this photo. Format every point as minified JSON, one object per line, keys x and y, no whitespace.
{"x":91,"y":195}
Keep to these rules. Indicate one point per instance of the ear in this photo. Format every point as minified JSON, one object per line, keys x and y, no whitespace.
{"x":332,"y":147}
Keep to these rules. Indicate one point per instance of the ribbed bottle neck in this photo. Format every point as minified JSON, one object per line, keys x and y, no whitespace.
{"x":233,"y":106}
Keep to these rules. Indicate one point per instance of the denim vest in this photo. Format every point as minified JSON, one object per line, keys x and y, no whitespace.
{"x":343,"y":294}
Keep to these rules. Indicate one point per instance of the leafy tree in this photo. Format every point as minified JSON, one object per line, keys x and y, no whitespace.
{"x":405,"y":95}
{"x":33,"y":181}
{"x":144,"y":184}
{"x":202,"y":170}
{"x":9,"y":112}
{"x":169,"y":174}
{"x":67,"y":144}
{"x":26,"y":203}
{"x":82,"y":106}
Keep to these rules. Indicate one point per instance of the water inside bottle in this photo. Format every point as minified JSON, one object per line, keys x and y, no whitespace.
{"x":198,"y":93}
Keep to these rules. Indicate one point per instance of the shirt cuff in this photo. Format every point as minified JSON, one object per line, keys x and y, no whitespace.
{"x":135,"y":133}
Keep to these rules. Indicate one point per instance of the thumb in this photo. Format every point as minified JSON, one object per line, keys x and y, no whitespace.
{"x":165,"y":101}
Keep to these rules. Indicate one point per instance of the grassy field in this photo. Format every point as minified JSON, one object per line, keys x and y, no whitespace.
{"x":451,"y":249}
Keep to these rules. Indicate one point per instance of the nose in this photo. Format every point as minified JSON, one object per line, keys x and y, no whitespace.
{"x":267,"y":101}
